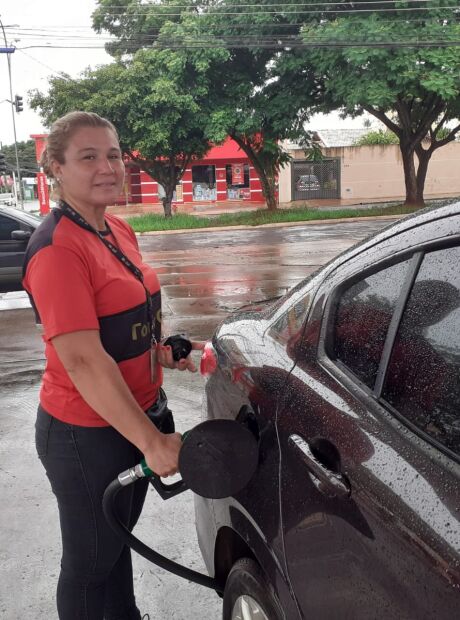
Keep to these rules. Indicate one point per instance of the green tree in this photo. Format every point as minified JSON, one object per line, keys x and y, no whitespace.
{"x":377,"y":138}
{"x":257,"y":99}
{"x":136,"y":26}
{"x":26,"y":156}
{"x":391,"y":59}
{"x":404,"y":73}
{"x":158,"y":101}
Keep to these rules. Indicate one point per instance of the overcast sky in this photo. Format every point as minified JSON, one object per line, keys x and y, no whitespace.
{"x":53,"y":22}
{"x":31,"y":68}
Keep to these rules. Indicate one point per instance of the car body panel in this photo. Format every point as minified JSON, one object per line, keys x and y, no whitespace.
{"x":391,"y":549}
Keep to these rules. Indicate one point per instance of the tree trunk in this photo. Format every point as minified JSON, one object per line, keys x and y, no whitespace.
{"x":410,"y":177}
{"x":424,"y":156}
{"x":167,"y":201}
{"x":267,"y":177}
{"x":268,"y":190}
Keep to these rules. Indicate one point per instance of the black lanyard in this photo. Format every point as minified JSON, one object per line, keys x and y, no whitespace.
{"x":80,"y":221}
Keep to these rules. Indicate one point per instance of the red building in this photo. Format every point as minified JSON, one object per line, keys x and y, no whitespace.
{"x":225,"y":174}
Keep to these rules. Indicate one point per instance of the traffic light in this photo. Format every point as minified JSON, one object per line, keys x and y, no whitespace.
{"x":18,"y":103}
{"x":3,"y":167}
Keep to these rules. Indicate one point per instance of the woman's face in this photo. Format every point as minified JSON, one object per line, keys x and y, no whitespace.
{"x":93,"y":171}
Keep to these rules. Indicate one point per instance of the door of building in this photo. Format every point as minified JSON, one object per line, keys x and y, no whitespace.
{"x":204,"y":183}
{"x":319,"y":179}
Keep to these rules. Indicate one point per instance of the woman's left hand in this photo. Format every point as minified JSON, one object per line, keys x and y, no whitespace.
{"x":165,"y":357}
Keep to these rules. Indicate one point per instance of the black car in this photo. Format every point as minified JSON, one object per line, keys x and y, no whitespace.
{"x":16,"y":228}
{"x":351,"y":384}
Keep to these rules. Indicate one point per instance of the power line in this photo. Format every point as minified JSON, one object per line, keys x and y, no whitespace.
{"x":209,"y":36}
{"x":315,"y":44}
{"x":45,"y":33}
{"x":218,"y":13}
{"x":205,"y":7}
{"x":210,"y":32}
{"x":318,"y":36}
{"x":61,"y":74}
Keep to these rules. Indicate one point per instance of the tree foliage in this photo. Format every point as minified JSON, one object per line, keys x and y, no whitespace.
{"x":414,"y":91}
{"x":391,"y":59}
{"x":377,"y":137}
{"x":26,"y":156}
{"x":257,"y":96}
{"x":158,"y":100}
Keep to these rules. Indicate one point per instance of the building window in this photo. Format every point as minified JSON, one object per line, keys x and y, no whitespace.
{"x":237,"y":176}
{"x":204,"y":182}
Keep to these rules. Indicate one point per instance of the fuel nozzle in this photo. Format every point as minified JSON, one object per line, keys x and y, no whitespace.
{"x":180,"y":346}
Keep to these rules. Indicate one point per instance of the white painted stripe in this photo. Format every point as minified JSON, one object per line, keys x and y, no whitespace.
{"x":187,"y":193}
{"x":255,"y":190}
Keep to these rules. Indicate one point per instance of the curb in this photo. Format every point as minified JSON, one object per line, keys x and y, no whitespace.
{"x":371,"y":218}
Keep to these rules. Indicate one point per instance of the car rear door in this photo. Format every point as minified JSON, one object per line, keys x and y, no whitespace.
{"x":11,"y":252}
{"x":369,"y":434}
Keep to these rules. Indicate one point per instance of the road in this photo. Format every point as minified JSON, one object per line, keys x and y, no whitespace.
{"x":203,"y":277}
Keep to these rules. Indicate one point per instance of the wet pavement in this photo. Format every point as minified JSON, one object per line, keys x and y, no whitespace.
{"x":204,"y":276}
{"x":29,"y":529}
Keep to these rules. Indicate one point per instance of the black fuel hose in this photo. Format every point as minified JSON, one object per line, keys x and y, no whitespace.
{"x":108,"y":506}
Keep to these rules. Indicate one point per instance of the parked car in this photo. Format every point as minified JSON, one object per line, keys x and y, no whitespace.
{"x":351,"y":384}
{"x":16,"y":228}
{"x":6,"y":199}
{"x":307,"y":183}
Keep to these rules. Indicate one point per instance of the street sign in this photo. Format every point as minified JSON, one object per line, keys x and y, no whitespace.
{"x":43,"y":196}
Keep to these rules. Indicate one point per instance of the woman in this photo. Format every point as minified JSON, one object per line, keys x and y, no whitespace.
{"x":100,"y":307}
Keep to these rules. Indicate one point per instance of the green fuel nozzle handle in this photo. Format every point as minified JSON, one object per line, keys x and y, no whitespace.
{"x":147,"y":472}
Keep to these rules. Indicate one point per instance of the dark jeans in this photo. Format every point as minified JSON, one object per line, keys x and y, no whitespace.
{"x":96,"y":579}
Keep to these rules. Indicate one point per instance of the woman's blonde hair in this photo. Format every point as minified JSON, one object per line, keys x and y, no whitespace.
{"x":60,"y":135}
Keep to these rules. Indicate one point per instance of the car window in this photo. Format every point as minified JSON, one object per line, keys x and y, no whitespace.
{"x":289,"y":325}
{"x":423,"y":376}
{"x":7,"y":225}
{"x":362,"y":319}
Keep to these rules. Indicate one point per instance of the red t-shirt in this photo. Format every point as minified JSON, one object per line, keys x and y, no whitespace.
{"x":76,"y":283}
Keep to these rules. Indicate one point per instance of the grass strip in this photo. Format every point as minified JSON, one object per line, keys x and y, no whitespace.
{"x":184,"y":221}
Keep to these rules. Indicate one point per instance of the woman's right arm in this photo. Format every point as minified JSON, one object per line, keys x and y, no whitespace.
{"x":99,"y":381}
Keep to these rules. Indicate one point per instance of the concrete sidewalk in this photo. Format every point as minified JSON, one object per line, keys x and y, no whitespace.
{"x":239,"y":206}
{"x":30,"y":546}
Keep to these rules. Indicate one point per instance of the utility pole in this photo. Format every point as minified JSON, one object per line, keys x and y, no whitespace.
{"x":8,"y":51}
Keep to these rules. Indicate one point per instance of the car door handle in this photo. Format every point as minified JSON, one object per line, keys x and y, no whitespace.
{"x":325,"y":480}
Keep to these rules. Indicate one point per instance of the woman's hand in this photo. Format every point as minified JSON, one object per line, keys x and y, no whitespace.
{"x":163,"y":456}
{"x":165,"y":358}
